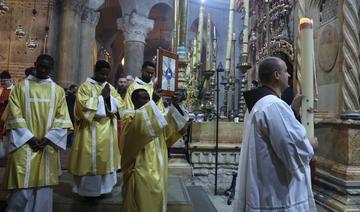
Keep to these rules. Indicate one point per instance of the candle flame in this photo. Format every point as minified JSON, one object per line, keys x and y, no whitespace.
{"x":306,"y":21}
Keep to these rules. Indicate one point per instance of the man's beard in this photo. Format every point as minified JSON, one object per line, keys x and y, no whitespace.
{"x":122,"y":89}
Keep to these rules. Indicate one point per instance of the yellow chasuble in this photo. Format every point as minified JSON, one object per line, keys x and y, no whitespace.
{"x":147,"y":133}
{"x":36,"y":106}
{"x":95,"y":150}
{"x":137,"y":84}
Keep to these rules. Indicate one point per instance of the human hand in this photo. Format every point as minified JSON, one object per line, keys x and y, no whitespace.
{"x":296,"y":103}
{"x":106,"y":91}
{"x":314,"y":142}
{"x":176,"y":98}
{"x":47,"y":141}
{"x":311,"y":110}
{"x":156,"y":95}
{"x":44,"y":142}
{"x":34,"y":144}
{"x":156,"y":84}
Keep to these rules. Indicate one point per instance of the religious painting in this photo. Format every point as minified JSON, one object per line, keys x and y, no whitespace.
{"x":167,"y":72}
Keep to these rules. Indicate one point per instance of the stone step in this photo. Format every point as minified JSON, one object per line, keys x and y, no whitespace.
{"x":180,"y":167}
{"x":66,"y":201}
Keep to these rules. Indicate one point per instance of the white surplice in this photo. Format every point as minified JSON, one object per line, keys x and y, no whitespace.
{"x":31,"y":200}
{"x":96,"y":185}
{"x":274,"y":172}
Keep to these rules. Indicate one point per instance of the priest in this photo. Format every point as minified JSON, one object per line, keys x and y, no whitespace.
{"x":274,"y":171}
{"x":94,"y":156}
{"x":147,"y":133}
{"x":144,"y":82}
{"x":36,"y":122}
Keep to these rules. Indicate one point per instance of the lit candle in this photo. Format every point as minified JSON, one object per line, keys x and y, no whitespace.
{"x":232,"y":66}
{"x":200,"y":32}
{"x":214,"y":49}
{"x":245,"y":35}
{"x":214,"y":33}
{"x":208,"y":44}
{"x":228,"y":46}
{"x":194,"y":52}
{"x":174,"y":40}
{"x":307,"y":72}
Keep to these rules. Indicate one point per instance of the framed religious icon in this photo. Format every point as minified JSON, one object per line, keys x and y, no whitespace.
{"x":167,"y":72}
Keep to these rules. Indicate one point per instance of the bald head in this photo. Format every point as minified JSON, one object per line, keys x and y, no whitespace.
{"x":268,"y":67}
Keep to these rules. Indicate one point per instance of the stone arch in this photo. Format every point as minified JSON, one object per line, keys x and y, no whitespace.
{"x":95,"y":4}
{"x":155,"y":3}
{"x":141,"y":7}
{"x":108,"y":36}
{"x":193,"y":34}
{"x":194,"y":28}
{"x":127,"y":5}
{"x":160,"y":36}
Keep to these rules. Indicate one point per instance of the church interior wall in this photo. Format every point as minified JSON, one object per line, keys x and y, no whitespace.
{"x":109,"y":38}
{"x":160,"y":35}
{"x":14,"y":55}
{"x":145,"y":7}
{"x":219,"y":12}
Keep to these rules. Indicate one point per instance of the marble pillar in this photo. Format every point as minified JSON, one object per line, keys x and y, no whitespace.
{"x":135,"y":29}
{"x":337,"y":182}
{"x":89,"y":21}
{"x":69,"y":40}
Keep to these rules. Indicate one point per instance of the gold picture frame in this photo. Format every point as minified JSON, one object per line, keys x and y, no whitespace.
{"x":167,"y":72}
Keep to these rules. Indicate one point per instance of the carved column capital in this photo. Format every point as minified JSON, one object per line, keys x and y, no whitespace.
{"x":74,"y":5}
{"x":135,"y":27}
{"x":90,"y":16}
{"x":77,"y":5}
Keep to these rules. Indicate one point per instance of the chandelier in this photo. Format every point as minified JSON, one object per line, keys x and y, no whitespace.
{"x":3,"y":8}
{"x":32,"y":41}
{"x":19,"y":31}
{"x":32,"y":44}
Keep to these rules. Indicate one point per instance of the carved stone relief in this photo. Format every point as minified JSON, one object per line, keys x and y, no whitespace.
{"x":328,"y":10}
{"x":328,"y":47}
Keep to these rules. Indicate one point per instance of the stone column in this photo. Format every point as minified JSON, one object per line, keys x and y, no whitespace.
{"x":301,"y":5}
{"x":337,"y":181}
{"x":89,"y":21}
{"x":182,"y":47}
{"x":351,"y":63}
{"x":135,"y":29}
{"x":69,"y":41}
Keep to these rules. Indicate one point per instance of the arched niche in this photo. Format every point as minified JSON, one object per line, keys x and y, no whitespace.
{"x":193,"y":31}
{"x":109,"y":38}
{"x":160,"y":36}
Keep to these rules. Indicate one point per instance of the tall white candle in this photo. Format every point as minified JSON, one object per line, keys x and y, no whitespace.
{"x":229,"y":39}
{"x":245,"y":37}
{"x":200,"y":32}
{"x":214,"y":49}
{"x":209,"y":53}
{"x":307,"y":72}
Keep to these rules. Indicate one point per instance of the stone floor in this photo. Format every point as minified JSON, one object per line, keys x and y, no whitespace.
{"x":220,"y":200}
{"x":66,"y":201}
{"x":205,"y":183}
